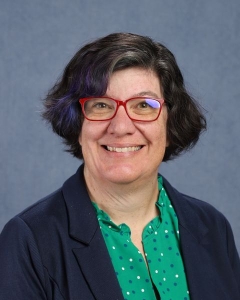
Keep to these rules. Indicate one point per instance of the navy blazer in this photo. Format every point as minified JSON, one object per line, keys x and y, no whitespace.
{"x":55,"y":250}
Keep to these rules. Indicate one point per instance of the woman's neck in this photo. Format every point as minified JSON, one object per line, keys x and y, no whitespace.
{"x":132,"y":203}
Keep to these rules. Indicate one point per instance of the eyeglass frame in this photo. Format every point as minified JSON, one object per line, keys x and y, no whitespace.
{"x":82,"y":101}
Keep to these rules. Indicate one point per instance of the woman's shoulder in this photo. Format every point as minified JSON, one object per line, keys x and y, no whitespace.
{"x":43,"y":208}
{"x":45,"y":215}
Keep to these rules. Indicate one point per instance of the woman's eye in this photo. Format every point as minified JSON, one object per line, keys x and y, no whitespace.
{"x":100,"y":105}
{"x":143,"y":105}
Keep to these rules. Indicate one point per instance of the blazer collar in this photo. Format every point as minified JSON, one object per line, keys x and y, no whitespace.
{"x":187,"y":215}
{"x":79,"y":207}
{"x":75,"y":188}
{"x":193,"y":243}
{"x":92,"y":254}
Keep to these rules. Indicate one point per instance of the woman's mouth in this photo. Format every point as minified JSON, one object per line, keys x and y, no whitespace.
{"x":122,"y":149}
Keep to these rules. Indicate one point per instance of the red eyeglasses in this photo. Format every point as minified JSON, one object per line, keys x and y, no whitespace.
{"x":144,"y":109}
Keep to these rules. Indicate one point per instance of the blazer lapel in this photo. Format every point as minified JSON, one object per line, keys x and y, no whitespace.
{"x":92,"y":254}
{"x":194,"y":242}
{"x":98,"y":270}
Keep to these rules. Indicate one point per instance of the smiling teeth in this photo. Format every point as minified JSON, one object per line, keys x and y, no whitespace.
{"x":125,"y":149}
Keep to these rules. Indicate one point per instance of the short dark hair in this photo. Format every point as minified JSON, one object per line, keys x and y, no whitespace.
{"x":88,"y":72}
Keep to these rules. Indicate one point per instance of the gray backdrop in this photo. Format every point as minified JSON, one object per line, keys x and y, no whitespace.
{"x":39,"y":37}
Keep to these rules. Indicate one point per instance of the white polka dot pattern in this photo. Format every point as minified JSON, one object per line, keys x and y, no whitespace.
{"x":164,"y":273}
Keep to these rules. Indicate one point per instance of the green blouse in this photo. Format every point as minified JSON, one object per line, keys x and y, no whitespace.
{"x":164,"y":273}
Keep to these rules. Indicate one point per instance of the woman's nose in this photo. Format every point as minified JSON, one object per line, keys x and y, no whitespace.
{"x":121,"y":124}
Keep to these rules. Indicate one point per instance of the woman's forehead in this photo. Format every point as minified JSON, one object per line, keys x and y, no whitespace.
{"x":133,"y":82}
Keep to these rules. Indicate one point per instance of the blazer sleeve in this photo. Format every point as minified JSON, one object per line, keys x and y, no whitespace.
{"x":21,"y":271}
{"x":233,"y":254}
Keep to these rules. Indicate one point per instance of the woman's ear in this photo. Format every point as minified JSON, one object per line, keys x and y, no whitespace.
{"x":80,"y":139}
{"x":167,"y":142}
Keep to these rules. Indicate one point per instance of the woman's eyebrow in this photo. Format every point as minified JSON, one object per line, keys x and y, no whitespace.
{"x":147,"y":93}
{"x":142,"y":94}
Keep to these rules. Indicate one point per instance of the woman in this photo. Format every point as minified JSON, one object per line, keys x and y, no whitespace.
{"x":117,"y":229}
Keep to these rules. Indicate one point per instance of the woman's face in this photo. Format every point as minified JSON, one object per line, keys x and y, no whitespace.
{"x":144,"y":142}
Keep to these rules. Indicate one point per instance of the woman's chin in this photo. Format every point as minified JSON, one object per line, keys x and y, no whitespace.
{"x":121,"y":175}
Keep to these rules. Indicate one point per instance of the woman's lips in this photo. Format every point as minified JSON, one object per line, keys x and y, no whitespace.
{"x":123,"y":149}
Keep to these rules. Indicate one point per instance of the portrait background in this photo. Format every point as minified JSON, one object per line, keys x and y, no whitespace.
{"x":38,"y":38}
